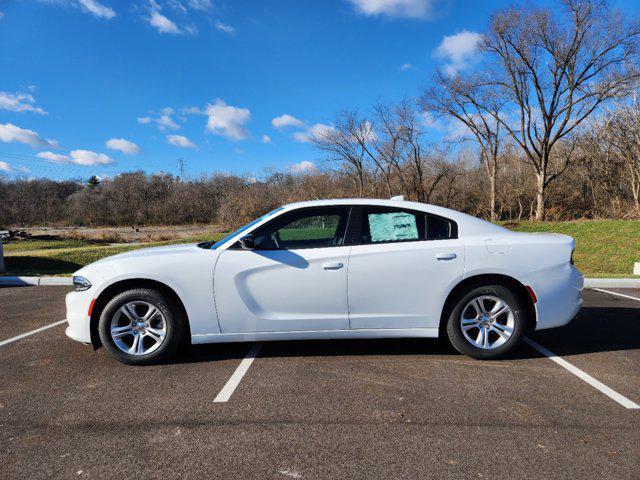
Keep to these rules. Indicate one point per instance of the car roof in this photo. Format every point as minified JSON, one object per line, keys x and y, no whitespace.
{"x":467,"y":224}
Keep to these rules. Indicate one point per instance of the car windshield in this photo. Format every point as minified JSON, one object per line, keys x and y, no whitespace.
{"x":219,"y":243}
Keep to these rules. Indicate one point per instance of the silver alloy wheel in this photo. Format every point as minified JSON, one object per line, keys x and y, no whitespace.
{"x":487,"y":322}
{"x":138,"y":328}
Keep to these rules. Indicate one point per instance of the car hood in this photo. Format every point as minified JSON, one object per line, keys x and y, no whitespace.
{"x":152,"y":252}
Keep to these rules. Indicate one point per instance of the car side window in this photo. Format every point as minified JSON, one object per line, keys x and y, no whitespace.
{"x":306,"y":229}
{"x":392,"y":225}
{"x":387,"y":225}
{"x":439,"y":228}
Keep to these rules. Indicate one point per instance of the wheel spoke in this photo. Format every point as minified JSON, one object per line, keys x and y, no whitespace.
{"x":121,"y":333}
{"x":129,"y":312}
{"x":150,"y":313}
{"x":503,"y":330}
{"x":480,"y":337}
{"x":156,"y":334}
{"x":479,"y":306}
{"x":466,"y":328}
{"x":498,"y":309}
{"x":134,"y":345}
{"x":140,"y":347}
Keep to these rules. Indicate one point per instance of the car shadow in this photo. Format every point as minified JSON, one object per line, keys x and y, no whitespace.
{"x":596,"y":329}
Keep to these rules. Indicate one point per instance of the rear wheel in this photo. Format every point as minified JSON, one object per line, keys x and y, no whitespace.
{"x":141,"y":326}
{"x":487,"y":322}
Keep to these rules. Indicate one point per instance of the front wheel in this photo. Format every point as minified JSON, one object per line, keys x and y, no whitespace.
{"x":141,"y":326}
{"x":487,"y":322}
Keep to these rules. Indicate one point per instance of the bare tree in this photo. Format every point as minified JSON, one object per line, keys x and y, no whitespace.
{"x":556,"y":71}
{"x":473,"y":103}
{"x":624,"y":130}
{"x":345,"y":144}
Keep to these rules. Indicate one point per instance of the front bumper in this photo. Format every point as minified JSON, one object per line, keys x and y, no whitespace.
{"x":78,"y":304}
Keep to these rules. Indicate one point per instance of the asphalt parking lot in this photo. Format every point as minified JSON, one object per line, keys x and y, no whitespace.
{"x":321,"y":409}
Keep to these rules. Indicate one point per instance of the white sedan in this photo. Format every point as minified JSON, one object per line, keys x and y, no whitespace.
{"x":332,"y":269}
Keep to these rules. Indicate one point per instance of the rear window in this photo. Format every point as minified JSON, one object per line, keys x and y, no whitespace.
{"x":439,"y":228}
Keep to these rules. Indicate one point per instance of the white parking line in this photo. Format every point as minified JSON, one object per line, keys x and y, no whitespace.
{"x":37,"y":330}
{"x":617,"y":294}
{"x":235,"y":379}
{"x":621,"y":399}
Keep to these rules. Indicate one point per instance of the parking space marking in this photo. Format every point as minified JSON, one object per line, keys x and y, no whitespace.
{"x":598,"y":385}
{"x":235,"y":379}
{"x":617,"y":294}
{"x":37,"y":330}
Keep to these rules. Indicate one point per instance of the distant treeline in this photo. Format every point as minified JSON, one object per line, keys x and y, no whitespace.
{"x":456,"y":181}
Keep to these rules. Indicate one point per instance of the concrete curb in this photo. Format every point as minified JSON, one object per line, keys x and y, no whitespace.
{"x":612,"y":282}
{"x":47,"y":281}
{"x":35,"y":281}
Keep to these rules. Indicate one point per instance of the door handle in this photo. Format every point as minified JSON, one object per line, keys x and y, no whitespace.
{"x":332,"y":266}
{"x":446,"y":257}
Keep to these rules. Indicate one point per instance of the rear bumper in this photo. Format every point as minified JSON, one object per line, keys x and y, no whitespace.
{"x":559,"y":295}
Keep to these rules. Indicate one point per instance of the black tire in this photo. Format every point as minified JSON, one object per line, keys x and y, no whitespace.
{"x":173,"y":320}
{"x":464,"y":346}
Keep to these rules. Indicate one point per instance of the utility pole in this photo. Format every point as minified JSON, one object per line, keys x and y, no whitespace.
{"x":181,"y":163}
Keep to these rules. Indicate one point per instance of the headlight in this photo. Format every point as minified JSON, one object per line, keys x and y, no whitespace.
{"x":80,"y":284}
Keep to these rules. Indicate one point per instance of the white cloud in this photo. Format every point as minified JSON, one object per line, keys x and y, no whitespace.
{"x":223,"y":27}
{"x":89,"y":158}
{"x":192,"y":110}
{"x":394,"y":8}
{"x":286,"y":120}
{"x":53,"y":157}
{"x":162,"y":23}
{"x":1,"y":15}
{"x":458,"y":50}
{"x":180,"y":141}
{"x":312,"y":132}
{"x":164,"y":120}
{"x":304,"y":166}
{"x":19,"y":102}
{"x":266,"y":139}
{"x":406,"y":66}
{"x":97,"y":9}
{"x":4,"y":166}
{"x":202,"y":5}
{"x":125,"y":146}
{"x":12,"y":133}
{"x":227,"y":121}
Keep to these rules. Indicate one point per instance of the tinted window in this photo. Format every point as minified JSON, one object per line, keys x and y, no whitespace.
{"x":305,"y":229}
{"x":439,"y":228}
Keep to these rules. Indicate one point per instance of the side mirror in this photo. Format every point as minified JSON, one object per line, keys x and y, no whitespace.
{"x":248,"y":242}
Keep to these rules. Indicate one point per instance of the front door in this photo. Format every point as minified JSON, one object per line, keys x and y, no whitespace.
{"x":294,"y":280}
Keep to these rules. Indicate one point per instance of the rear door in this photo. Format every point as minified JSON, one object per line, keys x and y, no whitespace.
{"x":294,"y":280}
{"x":401,"y":267}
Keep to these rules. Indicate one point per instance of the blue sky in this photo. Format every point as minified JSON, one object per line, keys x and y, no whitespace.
{"x":103,"y":86}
